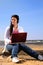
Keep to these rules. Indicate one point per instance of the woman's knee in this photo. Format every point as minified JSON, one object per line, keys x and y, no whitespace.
{"x":9,"y":47}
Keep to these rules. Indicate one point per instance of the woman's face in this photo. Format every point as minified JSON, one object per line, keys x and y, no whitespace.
{"x":14,"y":21}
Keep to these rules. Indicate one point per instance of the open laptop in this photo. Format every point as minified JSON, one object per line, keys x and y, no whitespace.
{"x":19,"y":37}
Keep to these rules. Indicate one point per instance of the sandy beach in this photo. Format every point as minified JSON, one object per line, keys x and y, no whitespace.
{"x":24,"y":58}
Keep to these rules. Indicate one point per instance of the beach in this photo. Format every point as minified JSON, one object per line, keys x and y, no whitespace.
{"x":24,"y":58}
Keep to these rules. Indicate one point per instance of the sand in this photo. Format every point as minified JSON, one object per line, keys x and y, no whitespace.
{"x":24,"y":58}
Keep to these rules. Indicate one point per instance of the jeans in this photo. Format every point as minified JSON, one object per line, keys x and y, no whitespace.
{"x":16,"y":48}
{"x":28,"y":50}
{"x":13,"y":49}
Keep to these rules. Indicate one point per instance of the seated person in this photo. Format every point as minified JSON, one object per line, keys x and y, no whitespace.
{"x":14,"y":49}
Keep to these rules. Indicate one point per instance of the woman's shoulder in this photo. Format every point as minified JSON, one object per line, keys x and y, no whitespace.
{"x":20,"y":28}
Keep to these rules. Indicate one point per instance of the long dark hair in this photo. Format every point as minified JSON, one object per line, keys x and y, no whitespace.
{"x":11,"y":25}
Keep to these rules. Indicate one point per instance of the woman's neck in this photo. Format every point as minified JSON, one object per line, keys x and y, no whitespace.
{"x":15,"y":26}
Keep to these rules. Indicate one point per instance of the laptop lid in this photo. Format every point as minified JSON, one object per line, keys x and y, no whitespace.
{"x":19,"y":37}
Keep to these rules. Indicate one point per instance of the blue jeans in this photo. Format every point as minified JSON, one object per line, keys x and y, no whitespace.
{"x":16,"y":48}
{"x":28,"y":50}
{"x":13,"y":49}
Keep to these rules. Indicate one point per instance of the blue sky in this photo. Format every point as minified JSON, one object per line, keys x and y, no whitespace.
{"x":30,"y":13}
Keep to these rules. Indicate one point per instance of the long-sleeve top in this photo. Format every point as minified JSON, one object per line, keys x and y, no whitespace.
{"x":7,"y":34}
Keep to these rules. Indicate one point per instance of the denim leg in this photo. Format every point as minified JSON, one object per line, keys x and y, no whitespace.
{"x":13,"y":49}
{"x":9,"y":47}
{"x":29,"y":51}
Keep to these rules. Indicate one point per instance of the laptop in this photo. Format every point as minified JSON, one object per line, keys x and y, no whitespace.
{"x":18,"y":37}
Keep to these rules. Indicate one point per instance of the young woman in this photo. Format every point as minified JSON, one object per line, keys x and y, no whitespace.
{"x":14,"y":49}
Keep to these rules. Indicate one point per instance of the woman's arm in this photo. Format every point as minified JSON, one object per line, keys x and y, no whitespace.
{"x":7,"y":36}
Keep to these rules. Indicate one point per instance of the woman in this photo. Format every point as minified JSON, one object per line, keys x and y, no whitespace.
{"x":14,"y":49}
